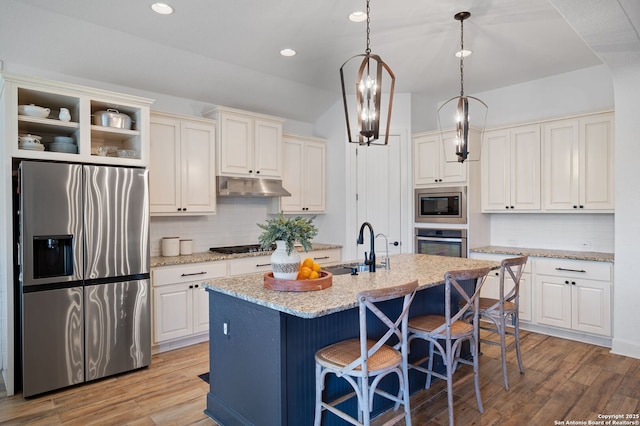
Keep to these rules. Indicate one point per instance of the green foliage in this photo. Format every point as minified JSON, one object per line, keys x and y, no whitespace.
{"x":288,"y":229}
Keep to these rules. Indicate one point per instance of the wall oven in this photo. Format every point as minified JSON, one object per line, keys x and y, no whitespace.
{"x":441,"y":205}
{"x":441,"y":242}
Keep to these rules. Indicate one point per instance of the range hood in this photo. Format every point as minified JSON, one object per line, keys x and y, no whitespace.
{"x":250,"y":187}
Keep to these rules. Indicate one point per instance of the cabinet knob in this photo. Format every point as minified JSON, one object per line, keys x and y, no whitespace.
{"x":257,"y":172}
{"x":506,"y":207}
{"x":573,"y":283}
{"x":566,"y":282}
{"x":190,"y":286}
{"x":575,"y":207}
{"x":582,"y":207}
{"x":512,"y":207}
{"x":250,"y":171}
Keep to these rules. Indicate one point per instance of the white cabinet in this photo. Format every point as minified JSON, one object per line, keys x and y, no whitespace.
{"x":262,"y":264}
{"x":249,"y":144}
{"x":578,"y":161}
{"x":574,"y":295}
{"x":303,"y":175}
{"x":180,"y":302}
{"x":511,"y":169}
{"x":491,"y":287}
{"x":182,"y":177}
{"x":435,"y":159}
{"x":92,"y":143}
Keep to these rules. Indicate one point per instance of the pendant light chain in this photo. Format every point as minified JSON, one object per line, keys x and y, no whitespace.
{"x":368,"y":50}
{"x":462,"y":57}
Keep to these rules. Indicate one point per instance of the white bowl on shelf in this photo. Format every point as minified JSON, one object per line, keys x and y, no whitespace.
{"x":33,"y":111}
{"x":31,"y":146}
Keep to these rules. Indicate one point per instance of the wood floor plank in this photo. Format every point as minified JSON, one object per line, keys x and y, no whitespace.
{"x":563,"y":379}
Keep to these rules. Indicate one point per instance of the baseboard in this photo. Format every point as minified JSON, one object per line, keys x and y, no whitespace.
{"x":625,"y":348}
{"x":567,"y":334}
{"x":179,"y":343}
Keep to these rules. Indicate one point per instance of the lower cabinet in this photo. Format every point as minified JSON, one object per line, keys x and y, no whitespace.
{"x":569,"y":298}
{"x":180,"y":301}
{"x":255,"y":264}
{"x":575,"y":295}
{"x":491,"y":286}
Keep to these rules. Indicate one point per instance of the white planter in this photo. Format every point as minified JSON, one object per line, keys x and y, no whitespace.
{"x":284,"y":266}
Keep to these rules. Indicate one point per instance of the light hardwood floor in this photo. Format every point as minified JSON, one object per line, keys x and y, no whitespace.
{"x":563,"y":380}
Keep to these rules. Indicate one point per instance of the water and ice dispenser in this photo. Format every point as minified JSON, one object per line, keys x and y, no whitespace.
{"x":52,"y":256}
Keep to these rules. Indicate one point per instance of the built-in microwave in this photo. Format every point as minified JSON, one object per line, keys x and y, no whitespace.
{"x":441,"y":205}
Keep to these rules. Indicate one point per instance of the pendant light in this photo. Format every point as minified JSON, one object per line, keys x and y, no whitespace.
{"x":368,"y":96}
{"x":462,"y":115}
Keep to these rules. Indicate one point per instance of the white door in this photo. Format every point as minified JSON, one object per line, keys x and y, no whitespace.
{"x":379,"y":189}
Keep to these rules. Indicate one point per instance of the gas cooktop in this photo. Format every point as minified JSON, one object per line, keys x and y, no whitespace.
{"x":249,"y":248}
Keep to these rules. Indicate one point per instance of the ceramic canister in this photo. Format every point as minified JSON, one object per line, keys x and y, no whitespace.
{"x":171,"y":246}
{"x":186,"y":247}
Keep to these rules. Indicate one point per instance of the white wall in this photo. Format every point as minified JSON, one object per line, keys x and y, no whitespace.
{"x":626,"y":295}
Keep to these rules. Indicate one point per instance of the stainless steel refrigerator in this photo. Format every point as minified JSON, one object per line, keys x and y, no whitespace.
{"x":84,"y":273}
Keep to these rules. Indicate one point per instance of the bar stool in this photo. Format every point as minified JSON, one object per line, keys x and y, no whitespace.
{"x":361,"y":359}
{"x":445,"y":333}
{"x":499,"y":311}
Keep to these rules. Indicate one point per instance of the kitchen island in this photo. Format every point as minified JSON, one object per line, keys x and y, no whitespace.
{"x":262,"y":342}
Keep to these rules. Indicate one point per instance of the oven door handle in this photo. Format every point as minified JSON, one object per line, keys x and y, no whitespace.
{"x":451,"y":240}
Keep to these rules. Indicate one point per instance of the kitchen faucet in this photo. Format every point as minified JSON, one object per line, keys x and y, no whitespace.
{"x":386,"y":258}
{"x":371,"y":261}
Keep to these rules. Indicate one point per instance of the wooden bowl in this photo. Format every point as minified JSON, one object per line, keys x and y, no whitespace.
{"x":324,"y":281}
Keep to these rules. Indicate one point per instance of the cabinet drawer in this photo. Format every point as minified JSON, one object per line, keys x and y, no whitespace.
{"x":250,"y":265}
{"x":574,"y":269}
{"x":185,"y":273}
{"x":323,"y":256}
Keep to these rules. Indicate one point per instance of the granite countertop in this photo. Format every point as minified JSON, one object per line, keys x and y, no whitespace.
{"x":557,"y":254}
{"x":210,"y":256}
{"x":428,"y":270}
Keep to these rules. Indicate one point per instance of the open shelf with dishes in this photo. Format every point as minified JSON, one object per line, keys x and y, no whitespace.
{"x":115,"y":131}
{"x":65,"y":122}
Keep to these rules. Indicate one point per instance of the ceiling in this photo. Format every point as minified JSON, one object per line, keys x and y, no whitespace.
{"x":227,"y":52}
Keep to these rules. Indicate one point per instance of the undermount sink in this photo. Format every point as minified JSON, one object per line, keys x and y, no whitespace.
{"x":349,"y":268}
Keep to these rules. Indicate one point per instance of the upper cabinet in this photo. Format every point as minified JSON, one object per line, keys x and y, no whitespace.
{"x":511,"y":169}
{"x":103,"y":127}
{"x":578,"y":161}
{"x":304,"y":175}
{"x":182,"y":178}
{"x":249,"y":144}
{"x":435,"y":160}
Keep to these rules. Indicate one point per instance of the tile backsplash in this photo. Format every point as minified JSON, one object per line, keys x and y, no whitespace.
{"x":235,"y":223}
{"x":580,"y":232}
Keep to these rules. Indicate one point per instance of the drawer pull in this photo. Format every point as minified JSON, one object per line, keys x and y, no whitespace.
{"x":262,"y":264}
{"x":194,"y":273}
{"x":321,"y":258}
{"x":570,"y":270}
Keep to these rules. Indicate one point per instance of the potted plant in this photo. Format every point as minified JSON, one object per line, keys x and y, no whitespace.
{"x":284,"y":231}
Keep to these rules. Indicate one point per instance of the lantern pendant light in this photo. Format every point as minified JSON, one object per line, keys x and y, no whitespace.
{"x":368,"y":96}
{"x":462,"y":117}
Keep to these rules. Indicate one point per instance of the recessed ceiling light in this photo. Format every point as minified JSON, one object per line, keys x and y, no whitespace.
{"x":358,"y":16}
{"x":162,"y":8}
{"x":288,"y":52}
{"x":464,"y":53}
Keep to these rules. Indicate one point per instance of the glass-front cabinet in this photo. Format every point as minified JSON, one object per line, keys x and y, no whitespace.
{"x":63,"y":122}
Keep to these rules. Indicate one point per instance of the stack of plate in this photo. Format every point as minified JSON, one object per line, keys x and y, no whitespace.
{"x":63,"y":144}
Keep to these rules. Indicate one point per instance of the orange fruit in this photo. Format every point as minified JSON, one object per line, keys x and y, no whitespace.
{"x":313,"y":275}
{"x":304,"y":273}
{"x":308,"y":262}
{"x":316,"y":267}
